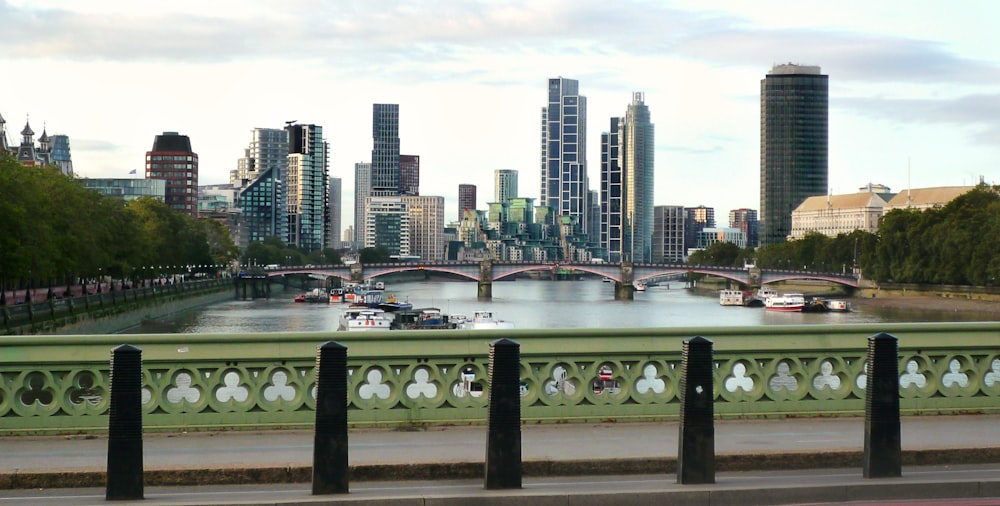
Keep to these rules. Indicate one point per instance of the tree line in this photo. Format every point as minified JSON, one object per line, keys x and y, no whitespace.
{"x":55,"y":231}
{"x":957,"y":244}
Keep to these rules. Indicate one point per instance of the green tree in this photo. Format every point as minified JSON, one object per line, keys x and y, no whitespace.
{"x":373,"y":255}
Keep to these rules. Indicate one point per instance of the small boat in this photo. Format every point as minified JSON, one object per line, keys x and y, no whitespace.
{"x":789,"y":302}
{"x":364,"y":319}
{"x":838,"y":306}
{"x":428,"y":318}
{"x":337,"y":295}
{"x":639,"y":286}
{"x":300,"y":297}
{"x":392,"y":304}
{"x":316,"y":295}
{"x":378,"y":286}
{"x":606,"y":280}
{"x":731,"y":297}
{"x":484,"y":320}
{"x":759,"y":299}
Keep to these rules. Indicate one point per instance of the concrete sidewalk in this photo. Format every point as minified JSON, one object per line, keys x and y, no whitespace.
{"x":459,"y":452}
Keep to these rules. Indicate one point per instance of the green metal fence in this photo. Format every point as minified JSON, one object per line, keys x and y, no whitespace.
{"x":59,"y":384}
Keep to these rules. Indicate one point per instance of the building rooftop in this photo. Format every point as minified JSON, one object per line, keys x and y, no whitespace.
{"x":849,"y":201}
{"x":927,"y":197}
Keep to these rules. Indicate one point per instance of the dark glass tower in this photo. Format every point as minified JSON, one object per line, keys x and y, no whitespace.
{"x":794,"y":120}
{"x":564,"y":185}
{"x":385,"y":150}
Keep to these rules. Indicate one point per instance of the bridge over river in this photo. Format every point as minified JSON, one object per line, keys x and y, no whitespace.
{"x":624,"y":274}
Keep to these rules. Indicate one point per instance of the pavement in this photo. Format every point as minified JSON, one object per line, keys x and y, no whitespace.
{"x":780,"y":461}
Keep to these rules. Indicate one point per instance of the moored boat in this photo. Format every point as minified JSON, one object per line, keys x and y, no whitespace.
{"x":639,"y":286}
{"x":484,"y":320}
{"x":364,"y":319}
{"x":838,"y":306}
{"x":392,"y":304}
{"x":789,"y":302}
{"x":731,"y":297}
{"x":427,"y":318}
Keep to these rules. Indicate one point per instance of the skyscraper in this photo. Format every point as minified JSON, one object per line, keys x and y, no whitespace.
{"x":466,"y":199}
{"x":504,"y":185}
{"x":564,"y":185}
{"x":268,"y":149}
{"x":426,"y":223}
{"x":746,"y":220}
{"x":259,"y":178}
{"x":794,"y":121}
{"x":409,"y":175}
{"x":336,"y":212}
{"x":172,"y":160}
{"x":362,"y":190}
{"x":627,"y":172}
{"x":385,"y":150}
{"x":306,"y":187}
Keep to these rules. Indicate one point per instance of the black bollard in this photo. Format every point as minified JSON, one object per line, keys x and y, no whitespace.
{"x":330,"y":475}
{"x":696,"y":442}
{"x":125,"y":426}
{"x":503,"y":446}
{"x":883,"y":452}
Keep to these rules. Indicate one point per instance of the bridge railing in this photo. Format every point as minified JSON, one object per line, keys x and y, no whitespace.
{"x":59,"y":384}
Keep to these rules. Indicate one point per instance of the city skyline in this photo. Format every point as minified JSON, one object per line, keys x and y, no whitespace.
{"x":913,"y":86}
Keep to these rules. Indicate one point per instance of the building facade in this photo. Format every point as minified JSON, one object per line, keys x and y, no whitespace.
{"x":711,"y":235}
{"x":746,"y":220}
{"x":504,"y":185}
{"x":466,"y":199}
{"x":362,"y":190}
{"x":387,"y":224}
{"x":696,"y":219}
{"x":336,"y":212}
{"x":306,"y":187}
{"x":173,"y":161}
{"x":668,"y":234}
{"x":268,"y":149}
{"x":832,"y":215}
{"x":926,"y":198}
{"x":794,"y":122}
{"x":263,"y":209}
{"x":385,"y":150}
{"x":409,"y":175}
{"x":627,"y":181}
{"x":127,"y":189}
{"x":563,"y":183}
{"x":426,"y":221}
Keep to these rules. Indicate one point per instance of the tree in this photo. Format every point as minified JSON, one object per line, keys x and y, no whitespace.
{"x":374,"y":255}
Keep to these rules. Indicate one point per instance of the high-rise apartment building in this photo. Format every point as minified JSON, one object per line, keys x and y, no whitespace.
{"x":794,"y":121}
{"x":668,"y":234}
{"x":426,"y":221}
{"x":263,"y":210}
{"x":61,"y":153}
{"x":306,"y":187}
{"x":627,"y":184}
{"x":504,"y":185}
{"x":385,"y":150}
{"x":172,"y":160}
{"x":466,"y":199}
{"x":409,"y":175}
{"x":336,"y":211}
{"x":696,"y":219}
{"x":362,"y":190}
{"x":746,"y":220}
{"x":268,"y":149}
{"x":564,"y":185}
{"x":387,"y":224}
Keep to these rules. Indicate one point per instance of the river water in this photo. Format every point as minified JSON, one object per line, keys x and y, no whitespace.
{"x":530,"y":304}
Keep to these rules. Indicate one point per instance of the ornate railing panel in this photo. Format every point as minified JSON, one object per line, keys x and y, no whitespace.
{"x":209,"y":382}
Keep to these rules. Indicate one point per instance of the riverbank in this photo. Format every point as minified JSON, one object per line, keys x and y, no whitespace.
{"x":989,"y":309}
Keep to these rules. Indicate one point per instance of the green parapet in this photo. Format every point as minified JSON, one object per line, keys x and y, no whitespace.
{"x":59,"y":384}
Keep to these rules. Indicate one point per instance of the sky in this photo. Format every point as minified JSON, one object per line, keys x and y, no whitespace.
{"x":914,"y":85}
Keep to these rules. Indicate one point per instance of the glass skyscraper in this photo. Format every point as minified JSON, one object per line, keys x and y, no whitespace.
{"x":627,"y":185}
{"x":794,"y":121}
{"x":385,"y":150}
{"x":564,"y":185}
{"x":305,"y":187}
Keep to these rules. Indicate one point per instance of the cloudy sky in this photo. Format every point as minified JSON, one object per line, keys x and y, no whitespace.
{"x":914,"y":85}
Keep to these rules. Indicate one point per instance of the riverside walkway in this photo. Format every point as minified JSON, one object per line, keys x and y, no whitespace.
{"x":777,"y":461}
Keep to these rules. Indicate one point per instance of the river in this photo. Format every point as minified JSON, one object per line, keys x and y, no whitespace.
{"x":530,"y":304}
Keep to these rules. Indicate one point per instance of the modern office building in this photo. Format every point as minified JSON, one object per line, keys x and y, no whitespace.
{"x":711,"y":235}
{"x":627,"y":172}
{"x":746,"y":220}
{"x":794,"y":122}
{"x":668,"y":234}
{"x":466,"y":199}
{"x":173,"y":161}
{"x":264,"y":212}
{"x":61,"y":153}
{"x":387,"y":225}
{"x":306,"y":180}
{"x":504,"y":185}
{"x":336,"y":212}
{"x":128,"y":189}
{"x":385,"y":150}
{"x":362,"y":190}
{"x":563,"y":184}
{"x":409,"y":175}
{"x":426,"y":220}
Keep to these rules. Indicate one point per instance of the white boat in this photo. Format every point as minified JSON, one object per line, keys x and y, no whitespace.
{"x":364,"y":319}
{"x":730,"y":297}
{"x":789,"y":302}
{"x":838,"y":306}
{"x":484,"y":320}
{"x":639,"y":286}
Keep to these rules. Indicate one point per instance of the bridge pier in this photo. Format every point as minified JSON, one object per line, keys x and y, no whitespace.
{"x":485,"y":291}
{"x":625,"y":290}
{"x":357,"y":273}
